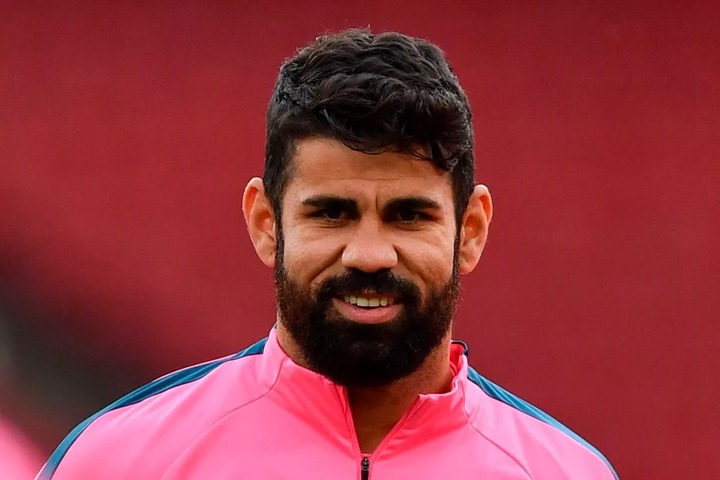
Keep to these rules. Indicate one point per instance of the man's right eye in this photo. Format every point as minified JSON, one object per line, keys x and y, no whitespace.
{"x":331,"y":214}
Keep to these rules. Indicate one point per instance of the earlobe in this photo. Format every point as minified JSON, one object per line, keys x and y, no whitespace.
{"x":260,"y":221}
{"x":474,"y":228}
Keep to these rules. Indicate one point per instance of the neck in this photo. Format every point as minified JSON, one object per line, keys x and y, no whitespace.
{"x":376,"y":410}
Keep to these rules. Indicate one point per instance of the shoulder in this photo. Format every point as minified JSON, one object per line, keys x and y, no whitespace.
{"x":148,"y":426}
{"x":545,"y":448}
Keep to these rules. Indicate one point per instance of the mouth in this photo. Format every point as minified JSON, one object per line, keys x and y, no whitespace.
{"x":369,"y":308}
{"x":365,"y":300}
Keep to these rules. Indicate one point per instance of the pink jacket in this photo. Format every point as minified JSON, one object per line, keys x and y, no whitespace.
{"x":258,"y":415}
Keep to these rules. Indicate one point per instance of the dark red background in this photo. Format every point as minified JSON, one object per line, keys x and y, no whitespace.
{"x":128,"y":132}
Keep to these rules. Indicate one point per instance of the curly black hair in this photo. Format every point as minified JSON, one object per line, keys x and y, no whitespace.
{"x":374,"y":93}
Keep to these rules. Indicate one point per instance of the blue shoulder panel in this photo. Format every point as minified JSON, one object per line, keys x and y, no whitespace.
{"x":499,"y":393}
{"x":156,"y":387}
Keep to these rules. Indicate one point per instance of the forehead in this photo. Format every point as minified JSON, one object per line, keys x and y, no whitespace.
{"x":328,"y":166}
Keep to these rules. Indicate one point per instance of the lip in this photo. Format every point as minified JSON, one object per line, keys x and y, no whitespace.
{"x":368,"y":316}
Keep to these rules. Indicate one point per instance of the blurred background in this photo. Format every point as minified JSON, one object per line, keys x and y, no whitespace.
{"x":129,"y":129}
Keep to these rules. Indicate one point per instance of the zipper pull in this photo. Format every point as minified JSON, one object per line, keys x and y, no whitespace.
{"x":365,"y":469}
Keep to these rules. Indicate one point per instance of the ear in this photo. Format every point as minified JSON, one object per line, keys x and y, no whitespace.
{"x":474,"y":228}
{"x":260,"y":221}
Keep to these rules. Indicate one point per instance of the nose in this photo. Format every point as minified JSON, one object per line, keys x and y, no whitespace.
{"x":370,"y":249}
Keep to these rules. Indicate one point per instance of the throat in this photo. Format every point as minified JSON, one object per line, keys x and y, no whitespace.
{"x":376,"y":411}
{"x":370,"y":437}
{"x":375,"y":420}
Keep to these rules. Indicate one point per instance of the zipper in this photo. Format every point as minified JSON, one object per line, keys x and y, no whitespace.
{"x":365,"y":469}
{"x":365,"y":462}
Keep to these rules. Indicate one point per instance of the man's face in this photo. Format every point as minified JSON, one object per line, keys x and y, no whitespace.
{"x":366,"y":269}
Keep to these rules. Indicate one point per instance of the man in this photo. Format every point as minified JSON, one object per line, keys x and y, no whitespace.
{"x":368,"y":214}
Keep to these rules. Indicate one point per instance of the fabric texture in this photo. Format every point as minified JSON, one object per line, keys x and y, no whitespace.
{"x":258,"y":415}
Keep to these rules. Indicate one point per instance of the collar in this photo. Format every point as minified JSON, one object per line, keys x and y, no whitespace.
{"x":324,"y":404}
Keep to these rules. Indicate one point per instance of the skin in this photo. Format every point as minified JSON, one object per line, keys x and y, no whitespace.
{"x":373,"y":234}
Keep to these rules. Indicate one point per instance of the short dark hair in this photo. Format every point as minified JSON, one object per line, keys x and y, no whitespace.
{"x":374,"y":93}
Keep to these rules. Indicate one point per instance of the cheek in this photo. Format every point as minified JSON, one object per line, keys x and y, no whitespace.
{"x":307,"y":256}
{"x":432,"y":263}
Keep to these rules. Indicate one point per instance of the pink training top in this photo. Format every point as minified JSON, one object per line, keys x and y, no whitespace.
{"x":258,"y":415}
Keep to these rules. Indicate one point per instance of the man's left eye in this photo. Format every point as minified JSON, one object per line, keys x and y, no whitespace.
{"x":410,"y":216}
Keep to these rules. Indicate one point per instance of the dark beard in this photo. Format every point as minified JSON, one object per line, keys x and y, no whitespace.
{"x":353,"y":354}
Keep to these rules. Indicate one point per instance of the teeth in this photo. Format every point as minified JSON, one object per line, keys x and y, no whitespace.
{"x":368,"y":302}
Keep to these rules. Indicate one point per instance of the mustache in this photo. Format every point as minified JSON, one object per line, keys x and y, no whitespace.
{"x":356,"y":281}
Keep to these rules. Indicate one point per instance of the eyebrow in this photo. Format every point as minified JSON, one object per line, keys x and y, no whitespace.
{"x":403,"y":203}
{"x":325,"y":201}
{"x":413,"y":203}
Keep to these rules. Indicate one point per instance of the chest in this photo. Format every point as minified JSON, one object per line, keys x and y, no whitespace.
{"x":287,"y":450}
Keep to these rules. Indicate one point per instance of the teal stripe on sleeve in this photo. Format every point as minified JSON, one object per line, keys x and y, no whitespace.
{"x":163,"y":384}
{"x":499,"y":393}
